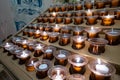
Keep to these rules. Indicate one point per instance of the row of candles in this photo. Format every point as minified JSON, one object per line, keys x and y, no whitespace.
{"x":100,"y":70}
{"x":53,"y":32}
{"x":78,"y":18}
{"x":86,"y":5}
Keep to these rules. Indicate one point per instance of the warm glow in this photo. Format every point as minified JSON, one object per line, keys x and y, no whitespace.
{"x":7,"y":45}
{"x":44,"y":33}
{"x":24,"y":54}
{"x":24,"y":42}
{"x":39,"y":46}
{"x":54,"y":14}
{"x":92,"y":28}
{"x":32,"y":62}
{"x":58,"y":76}
{"x":99,"y":61}
{"x":37,"y":32}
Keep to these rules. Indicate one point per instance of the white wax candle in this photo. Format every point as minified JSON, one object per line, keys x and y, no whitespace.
{"x":61,"y":55}
{"x":48,"y":51}
{"x":38,"y":47}
{"x":43,"y":66}
{"x":102,"y":68}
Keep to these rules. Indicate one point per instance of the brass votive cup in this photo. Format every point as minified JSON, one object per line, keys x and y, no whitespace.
{"x":51,"y":19}
{"x":114,"y":3}
{"x":53,"y":37}
{"x":77,"y":31}
{"x":97,"y":45}
{"x":61,"y":57}
{"x":78,"y":20}
{"x":44,"y":36}
{"x":59,"y":20}
{"x":100,"y":4}
{"x":91,"y":20}
{"x":78,"y":63}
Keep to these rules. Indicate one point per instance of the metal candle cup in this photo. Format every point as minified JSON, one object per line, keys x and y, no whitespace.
{"x":42,"y":67}
{"x":17,"y":40}
{"x":97,"y":45}
{"x":61,"y":57}
{"x":66,"y":30}
{"x":64,"y":39}
{"x":67,"y":20}
{"x":78,"y":6}
{"x":37,"y":34}
{"x":24,"y":43}
{"x":113,"y":37}
{"x":59,"y":20}
{"x":31,"y":45}
{"x":44,"y":36}
{"x":77,"y":31}
{"x":30,"y":32}
{"x":38,"y":50}
{"x":78,"y":42}
{"x":78,"y":20}
{"x":88,"y":5}
{"x":78,"y":63}
{"x":101,"y":70}
{"x":89,"y":12}
{"x":53,"y":37}
{"x":6,"y":46}
{"x":48,"y":52}
{"x":78,"y":14}
{"x":107,"y":20}
{"x":92,"y":32}
{"x":100,"y":4}
{"x":51,"y":19}
{"x":45,"y":19}
{"x":117,"y":14}
{"x":25,"y":32}
{"x":23,"y":56}
{"x":57,"y":73}
{"x":56,"y":28}
{"x":91,"y":20}
{"x":30,"y":64}
{"x":114,"y":3}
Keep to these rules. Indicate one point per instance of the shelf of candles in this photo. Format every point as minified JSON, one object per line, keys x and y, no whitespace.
{"x":74,"y":63}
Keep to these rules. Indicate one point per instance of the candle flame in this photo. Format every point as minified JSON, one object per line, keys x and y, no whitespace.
{"x":37,"y":32}
{"x":39,"y":46}
{"x":89,"y":11}
{"x":32,"y":62}
{"x":92,"y":28}
{"x":54,"y":14}
{"x":25,"y":41}
{"x":99,"y":61}
{"x":58,"y":76}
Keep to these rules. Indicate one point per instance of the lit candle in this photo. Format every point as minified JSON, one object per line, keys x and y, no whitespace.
{"x":78,"y":42}
{"x":24,"y":44}
{"x":42,"y":68}
{"x":97,"y":45}
{"x":101,"y":67}
{"x":61,"y":57}
{"x":91,"y":20}
{"x":54,"y":14}
{"x":101,"y":70}
{"x":89,"y":12}
{"x":57,"y":73}
{"x":77,"y":31}
{"x":107,"y":20}
{"x":51,"y":19}
{"x":53,"y":37}
{"x":92,"y":32}
{"x":113,"y":36}
{"x":78,"y":63}
{"x":37,"y":34}
{"x":56,"y":28}
{"x":44,"y":36}
{"x":30,"y":64}
{"x":38,"y":50}
{"x":78,"y":20}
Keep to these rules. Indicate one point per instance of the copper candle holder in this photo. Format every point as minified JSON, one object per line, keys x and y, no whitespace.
{"x":9,"y":49}
{"x":66,"y":30}
{"x":113,"y":36}
{"x":44,"y":36}
{"x":89,"y":12}
{"x":70,"y":6}
{"x":78,"y":20}
{"x":40,"y":27}
{"x":97,"y":45}
{"x":63,"y":7}
{"x":100,"y":4}
{"x":88,"y":5}
{"x":91,"y":20}
{"x":6,"y":46}
{"x":102,"y":13}
{"x":39,"y":19}
{"x":67,"y":20}
{"x":37,"y":34}
{"x":53,"y":14}
{"x":101,"y":70}
{"x":60,"y":15}
{"x":34,"y":26}
{"x":78,"y":42}
{"x":64,"y":39}
{"x":92,"y":32}
{"x":107,"y":20}
{"x":78,"y":14}
{"x":51,"y":8}
{"x":38,"y":50}
{"x":30,"y":32}
{"x":61,"y":57}
{"x":56,"y":28}
{"x":57,"y":73}
{"x":23,"y":56}
{"x":68,"y":14}
{"x":30,"y":64}
{"x":53,"y":37}
{"x":48,"y":52}
{"x":76,"y":77}
{"x":78,"y":6}
{"x":57,"y":8}
{"x":114,"y":3}
{"x":42,"y":67}
{"x":78,"y":63}
{"x":47,"y":28}
{"x":77,"y":31}
{"x":45,"y":19}
{"x":24,"y":43}
{"x":17,"y":40}
{"x":59,"y":20}
{"x":51,"y":19}
{"x":31,"y":45}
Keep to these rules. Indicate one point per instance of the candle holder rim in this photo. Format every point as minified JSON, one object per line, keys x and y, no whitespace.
{"x":76,"y":77}
{"x":27,"y":52}
{"x":57,"y":67}
{"x":90,"y":66}
{"x":42,"y":61}
{"x":71,"y":57}
{"x":97,"y":29}
{"x":31,"y":59}
{"x":82,"y":37}
{"x":109,"y":32}
{"x":97,"y":41}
